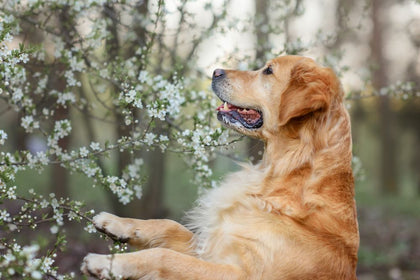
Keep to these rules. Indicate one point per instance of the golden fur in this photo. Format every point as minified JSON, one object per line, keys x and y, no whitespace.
{"x":292,"y":216}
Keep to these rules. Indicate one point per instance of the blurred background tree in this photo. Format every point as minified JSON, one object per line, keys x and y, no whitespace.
{"x":132,"y":79}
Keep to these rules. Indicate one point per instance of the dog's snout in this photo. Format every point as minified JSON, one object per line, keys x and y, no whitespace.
{"x":218,"y":73}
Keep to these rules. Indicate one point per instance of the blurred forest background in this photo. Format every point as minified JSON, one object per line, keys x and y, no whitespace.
{"x":374,"y":45}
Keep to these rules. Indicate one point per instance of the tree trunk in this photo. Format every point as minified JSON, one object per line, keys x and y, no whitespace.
{"x":255,"y":146}
{"x":151,"y":205}
{"x":388,"y":171}
{"x":59,"y":175}
{"x":121,"y":130}
{"x":410,"y":113}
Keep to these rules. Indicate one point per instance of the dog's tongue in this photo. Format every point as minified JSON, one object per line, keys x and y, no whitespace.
{"x":248,"y":115}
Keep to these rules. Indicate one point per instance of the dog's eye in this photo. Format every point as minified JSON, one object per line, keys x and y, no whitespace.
{"x":268,"y":70}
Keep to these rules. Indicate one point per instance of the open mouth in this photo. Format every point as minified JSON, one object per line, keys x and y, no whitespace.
{"x":234,"y":115}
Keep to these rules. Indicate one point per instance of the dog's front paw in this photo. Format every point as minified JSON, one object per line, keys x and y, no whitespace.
{"x":98,"y":266}
{"x":113,"y":226}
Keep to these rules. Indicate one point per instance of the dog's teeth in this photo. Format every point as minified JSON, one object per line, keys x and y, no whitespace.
{"x":225,"y":107}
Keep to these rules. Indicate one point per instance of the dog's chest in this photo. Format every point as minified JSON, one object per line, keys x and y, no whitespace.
{"x":226,"y":212}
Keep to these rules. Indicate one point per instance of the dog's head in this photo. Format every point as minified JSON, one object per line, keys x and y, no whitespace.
{"x":287,"y":89}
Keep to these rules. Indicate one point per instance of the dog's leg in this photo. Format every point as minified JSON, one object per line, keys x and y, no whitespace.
{"x":157,"y":263}
{"x":146,"y":233}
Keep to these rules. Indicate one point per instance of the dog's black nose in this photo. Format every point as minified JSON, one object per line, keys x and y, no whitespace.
{"x":218,"y":73}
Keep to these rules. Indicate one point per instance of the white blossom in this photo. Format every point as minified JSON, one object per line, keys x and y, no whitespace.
{"x":95,"y":146}
{"x":149,"y":138}
{"x":44,"y":203}
{"x":62,"y":128}
{"x":29,"y":124}
{"x":11,"y":193}
{"x":143,"y":76}
{"x":67,"y":97}
{"x":90,"y":228}
{"x":138,"y":191}
{"x":90,"y":172}
{"x":3,"y":136}
{"x":83,"y":152}
{"x":42,"y":158}
{"x":46,"y":264}
{"x":54,"y":229}
{"x":4,"y":216}
{"x":163,"y":138}
{"x":36,"y":274}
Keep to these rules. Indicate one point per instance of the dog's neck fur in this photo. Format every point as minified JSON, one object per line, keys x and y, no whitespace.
{"x":300,"y":145}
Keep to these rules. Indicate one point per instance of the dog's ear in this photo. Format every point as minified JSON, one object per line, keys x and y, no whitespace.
{"x":310,"y":89}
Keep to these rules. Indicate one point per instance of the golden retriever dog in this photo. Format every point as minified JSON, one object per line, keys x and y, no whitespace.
{"x":292,"y":216}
